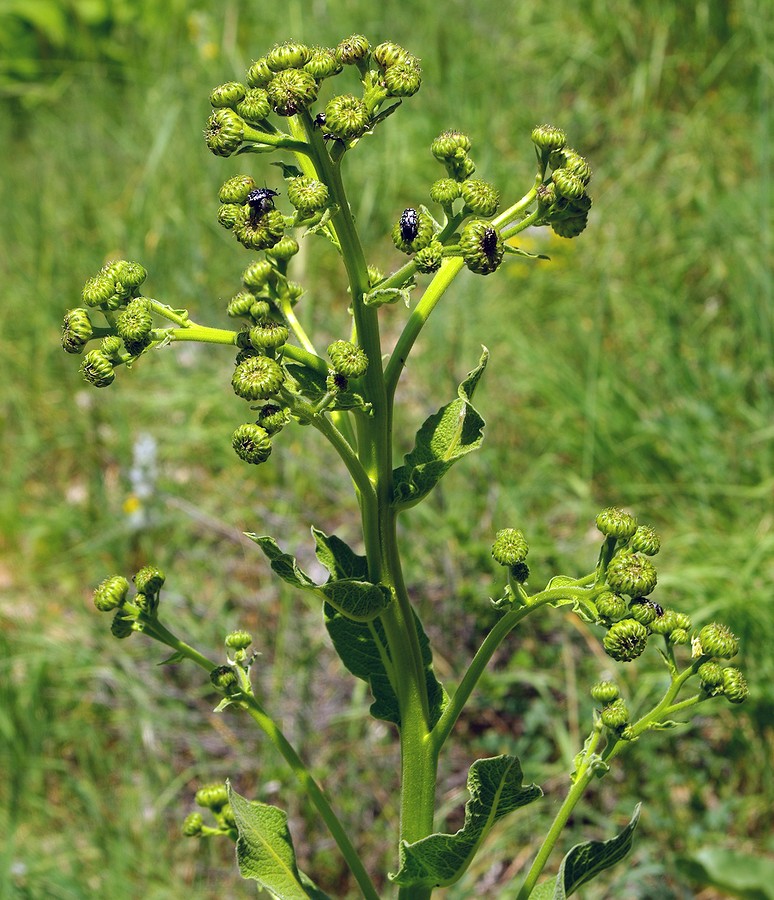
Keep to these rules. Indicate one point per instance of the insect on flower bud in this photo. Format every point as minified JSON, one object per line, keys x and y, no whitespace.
{"x":481,"y":247}
{"x":260,"y":233}
{"x":625,"y":640}
{"x":111,"y":593}
{"x":236,"y":189}
{"x":251,"y":443}
{"x":641,"y":609}
{"x":718,"y":640}
{"x":510,"y":547}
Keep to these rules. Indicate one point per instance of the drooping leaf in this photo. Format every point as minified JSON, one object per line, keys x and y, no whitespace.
{"x":446,"y":436}
{"x":265,"y":851}
{"x":363,"y":650}
{"x":288,"y":171}
{"x":339,"y":558}
{"x":585,"y":861}
{"x":496,"y":789}
{"x":356,"y":599}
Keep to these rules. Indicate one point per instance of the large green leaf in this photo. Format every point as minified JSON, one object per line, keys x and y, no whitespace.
{"x":356,"y":599}
{"x":448,"y":435}
{"x":496,"y":789}
{"x":585,"y":861}
{"x":265,"y":851}
{"x":740,"y":875}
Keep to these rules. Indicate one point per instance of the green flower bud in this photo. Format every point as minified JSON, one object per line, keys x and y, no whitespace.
{"x":577,"y":165}
{"x":735,"y":687}
{"x":711,"y":678}
{"x":236,"y":189}
{"x":287,"y":56}
{"x":227,"y":818}
{"x":223,"y":132}
{"x":346,"y":117}
{"x":227,"y":95}
{"x":213,"y":796}
{"x":480,"y":197}
{"x":284,"y":249}
{"x":260,"y":310}
{"x":111,"y":593}
{"x":261,"y":234}
{"x":291,"y":90}
{"x":548,"y":137}
{"x":429,"y":258}
{"x":257,"y":378}
{"x":352,"y":50}
{"x":568,"y":185}
{"x":519,"y":572}
{"x":631,"y":573}
{"x":257,"y":274}
{"x":111,"y":347}
{"x":290,"y":291}
{"x":461,"y":168}
{"x":273,"y":418}
{"x":348,"y":359}
{"x":135,"y":323}
{"x":683,"y":621}
{"x":121,"y":627}
{"x":336,"y":383}
{"x":611,"y":606}
{"x":238,"y":640}
{"x":680,"y":636}
{"x":259,"y":74}
{"x":450,"y":145}
{"x":605,"y":692}
{"x":323,"y":63}
{"x":414,"y":233}
{"x":375,"y":275}
{"x":445,"y":191}
{"x":239,"y":304}
{"x":615,"y":716}
{"x":625,"y":640}
{"x":718,"y":640}
{"x":403,"y":79}
{"x":97,"y":369}
{"x":149,"y":580}
{"x":389,"y":54}
{"x":99,"y":289}
{"x":665,"y":622}
{"x":268,"y":335}
{"x":229,"y":214}
{"x":254,"y":106}
{"x":510,"y":547}
{"x":645,"y":540}
{"x":76,"y":330}
{"x":613,"y":522}
{"x":192,"y":825}
{"x":570,"y":227}
{"x":251,"y":443}
{"x":481,"y":247}
{"x":308,"y":195}
{"x":645,"y":612}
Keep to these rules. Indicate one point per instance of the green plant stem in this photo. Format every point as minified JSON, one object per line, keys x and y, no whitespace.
{"x":192,"y":332}
{"x":485,"y":652}
{"x":155,"y":629}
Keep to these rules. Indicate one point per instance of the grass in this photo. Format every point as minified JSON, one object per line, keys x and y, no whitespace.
{"x":635,"y":368}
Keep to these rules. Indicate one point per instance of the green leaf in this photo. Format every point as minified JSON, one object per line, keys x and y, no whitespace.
{"x":176,"y":657}
{"x":312,"y":385}
{"x":384,"y":296}
{"x":363,"y":650}
{"x":265,"y":851}
{"x":496,"y":789}
{"x":448,"y":435}
{"x":736,"y":874}
{"x":288,"y":171}
{"x":585,"y":861}
{"x":356,"y":599}
{"x":338,"y":557}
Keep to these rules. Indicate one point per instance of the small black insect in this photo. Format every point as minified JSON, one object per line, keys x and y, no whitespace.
{"x":409,"y":225}
{"x":657,"y":608}
{"x":319,"y":120}
{"x":260,"y":202}
{"x":489,"y":241}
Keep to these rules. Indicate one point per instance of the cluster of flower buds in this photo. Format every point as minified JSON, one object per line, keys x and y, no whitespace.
{"x":286,"y":82}
{"x":112,"y":595}
{"x":562,"y":197}
{"x":214,"y":798}
{"x":510,"y":549}
{"x":115,"y":292}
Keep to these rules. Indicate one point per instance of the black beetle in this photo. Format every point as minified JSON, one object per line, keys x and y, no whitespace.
{"x":409,"y":225}
{"x":489,"y":241}
{"x":260,"y":202}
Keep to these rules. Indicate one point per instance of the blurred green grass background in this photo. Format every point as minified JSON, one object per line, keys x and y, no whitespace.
{"x":635,"y":368}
